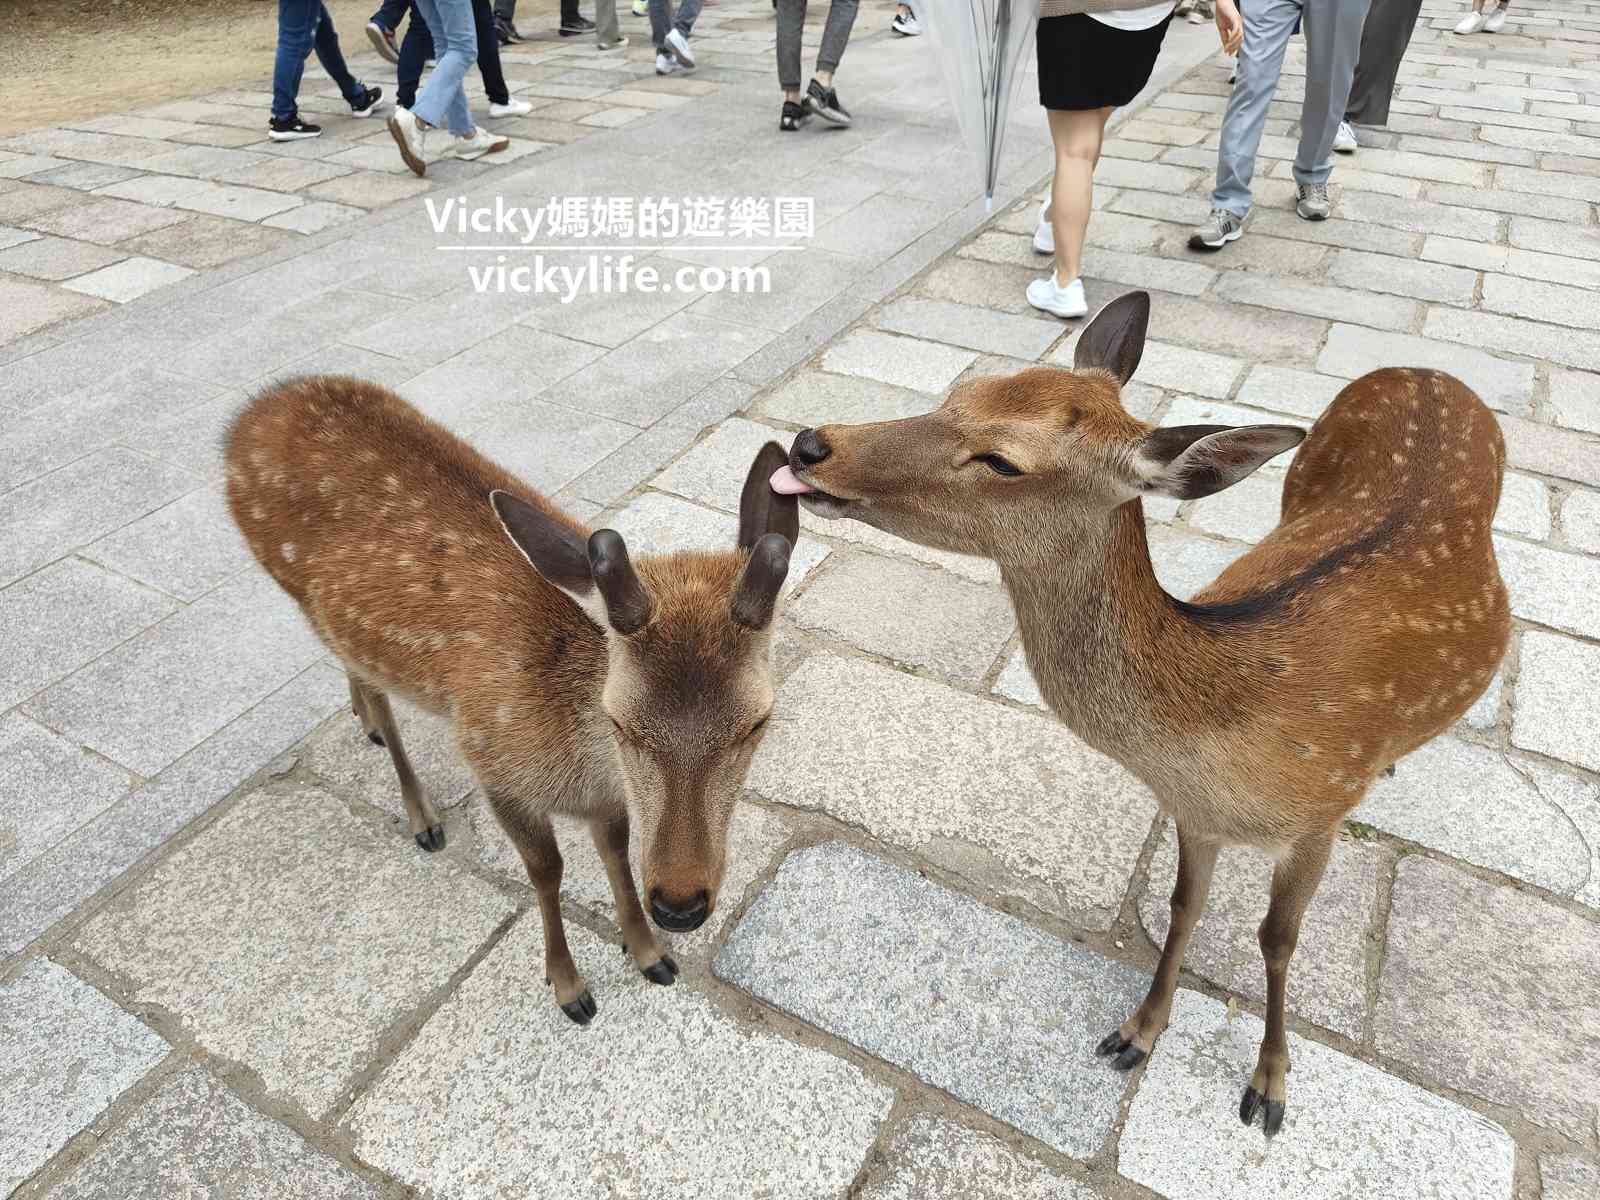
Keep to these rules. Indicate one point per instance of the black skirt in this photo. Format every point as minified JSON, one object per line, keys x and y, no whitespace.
{"x":1086,"y":64}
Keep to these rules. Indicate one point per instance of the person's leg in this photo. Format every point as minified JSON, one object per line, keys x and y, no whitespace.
{"x":494,"y":80}
{"x":1077,"y":136}
{"x":835,"y":36}
{"x":1266,"y":37}
{"x":506,"y":10}
{"x":791,"y":25}
{"x":688,"y":11}
{"x":1333,"y":41}
{"x":390,"y":13}
{"x":660,"y":22}
{"x":1384,"y":39}
{"x":442,"y":101}
{"x":416,"y":48}
{"x":607,"y":32}
{"x":332,"y":59}
{"x":297,"y":29}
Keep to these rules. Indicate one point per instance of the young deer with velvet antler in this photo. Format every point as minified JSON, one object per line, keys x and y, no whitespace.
{"x":588,"y":686}
{"x":1365,"y":624}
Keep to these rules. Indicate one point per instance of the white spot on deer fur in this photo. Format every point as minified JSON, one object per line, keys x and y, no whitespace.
{"x":504,"y":713}
{"x":326,"y":484}
{"x":258,"y":512}
{"x":391,"y":483}
{"x":288,"y":551}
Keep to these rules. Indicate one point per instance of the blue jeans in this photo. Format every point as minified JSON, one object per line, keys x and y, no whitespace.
{"x":416,"y":48}
{"x":1333,"y":43}
{"x":662,"y":22}
{"x":303,"y":26}
{"x":443,"y":100}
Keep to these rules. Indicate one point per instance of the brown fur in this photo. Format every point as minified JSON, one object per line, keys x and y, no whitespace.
{"x":378,"y":522}
{"x":1259,"y":713}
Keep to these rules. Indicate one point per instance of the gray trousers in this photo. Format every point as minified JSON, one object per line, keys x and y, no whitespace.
{"x":1333,"y":43}
{"x":1383,"y":45}
{"x":835,"y":35}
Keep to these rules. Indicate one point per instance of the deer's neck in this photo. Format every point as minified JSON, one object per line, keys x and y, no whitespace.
{"x":1113,"y":654}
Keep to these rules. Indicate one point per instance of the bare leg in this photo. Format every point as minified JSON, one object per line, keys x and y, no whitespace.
{"x":535,"y":840}
{"x":1136,"y":1037}
{"x":1294,"y":883}
{"x":1077,"y":137}
{"x":611,"y":839}
{"x":420,"y":813}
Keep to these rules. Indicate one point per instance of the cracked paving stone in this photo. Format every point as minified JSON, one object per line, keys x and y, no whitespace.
{"x":662,"y":1096}
{"x":999,"y":1014}
{"x":348,"y":930}
{"x":1477,"y":804}
{"x":1007,"y":799}
{"x":194,"y":1138}
{"x":1393,"y":1138}
{"x":68,"y":1053}
{"x":1491,"y":990}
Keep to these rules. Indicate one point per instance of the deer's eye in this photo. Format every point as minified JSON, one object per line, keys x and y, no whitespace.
{"x":757,"y":727}
{"x":998,"y":465}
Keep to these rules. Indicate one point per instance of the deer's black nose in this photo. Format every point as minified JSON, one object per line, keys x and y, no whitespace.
{"x":809,"y":449}
{"x":680,"y":916}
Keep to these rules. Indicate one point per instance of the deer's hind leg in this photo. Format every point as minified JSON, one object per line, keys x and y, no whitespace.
{"x":372,"y":707}
{"x":1132,"y":1041}
{"x":535,"y":840}
{"x":611,"y":840}
{"x":1294,"y":882}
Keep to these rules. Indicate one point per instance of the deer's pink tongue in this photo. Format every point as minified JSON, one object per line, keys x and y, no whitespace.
{"x":786,"y":483}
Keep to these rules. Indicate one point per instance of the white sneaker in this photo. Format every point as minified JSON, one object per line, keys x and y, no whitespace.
{"x":1345,"y":140}
{"x":906,"y":25}
{"x":410,"y":136}
{"x":678,"y":46}
{"x":1044,"y":237}
{"x":666,"y":64}
{"x":1496,"y":21}
{"x":1049,"y":296}
{"x":1470,"y":23}
{"x":511,"y":108}
{"x":478,"y":143}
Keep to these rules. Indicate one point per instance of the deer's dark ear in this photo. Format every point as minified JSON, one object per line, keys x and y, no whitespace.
{"x":627,"y":603}
{"x":553,"y":548}
{"x":1189,"y":461}
{"x":1114,"y":340}
{"x":756,"y":597}
{"x":762,"y":510}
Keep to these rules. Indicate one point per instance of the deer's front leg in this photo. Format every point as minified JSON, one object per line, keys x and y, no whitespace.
{"x":611,"y":840}
{"x":1132,"y":1041}
{"x":535,"y":840}
{"x":1294,"y":881}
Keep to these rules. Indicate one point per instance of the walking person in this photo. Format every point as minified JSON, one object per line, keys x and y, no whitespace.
{"x":670,"y":32}
{"x":304,"y":26}
{"x":417,"y":48}
{"x":443,"y":100}
{"x":1384,"y":39}
{"x":820,"y":98}
{"x":1333,"y":42}
{"x":1089,"y":65}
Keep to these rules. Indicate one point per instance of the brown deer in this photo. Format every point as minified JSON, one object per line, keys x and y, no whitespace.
{"x":588,"y":686}
{"x":1365,"y":624}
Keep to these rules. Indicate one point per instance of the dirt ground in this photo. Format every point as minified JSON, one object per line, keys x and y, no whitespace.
{"x":61,"y":59}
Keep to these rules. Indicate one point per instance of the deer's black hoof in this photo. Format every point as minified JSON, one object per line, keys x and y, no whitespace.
{"x":1389,"y":770}
{"x":1272,"y":1110}
{"x":663,"y":972}
{"x":1128,"y":1056}
{"x":581,"y":1010}
{"x":1112,"y":1043}
{"x":431,"y":839}
{"x":376,"y":738}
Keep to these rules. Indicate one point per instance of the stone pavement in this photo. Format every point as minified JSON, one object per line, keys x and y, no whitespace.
{"x":225,"y":968}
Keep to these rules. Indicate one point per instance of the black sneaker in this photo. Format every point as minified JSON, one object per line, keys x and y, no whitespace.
{"x":825,"y":103}
{"x":506,"y":31}
{"x":576,"y":25}
{"x":291,"y":129}
{"x":794,"y":116}
{"x":366,"y":104}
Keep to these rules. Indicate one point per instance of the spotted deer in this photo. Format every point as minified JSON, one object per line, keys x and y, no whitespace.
{"x":1259,"y":713}
{"x":578,"y":682}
